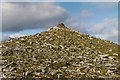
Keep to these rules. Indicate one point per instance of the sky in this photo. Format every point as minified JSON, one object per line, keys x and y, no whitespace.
{"x":99,"y":19}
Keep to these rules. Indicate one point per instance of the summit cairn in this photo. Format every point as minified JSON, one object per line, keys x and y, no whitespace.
{"x":61,"y":25}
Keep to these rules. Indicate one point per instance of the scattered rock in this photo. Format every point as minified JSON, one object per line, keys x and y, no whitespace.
{"x":57,"y":53}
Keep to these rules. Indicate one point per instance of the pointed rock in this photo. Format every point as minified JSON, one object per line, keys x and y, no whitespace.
{"x":61,"y":25}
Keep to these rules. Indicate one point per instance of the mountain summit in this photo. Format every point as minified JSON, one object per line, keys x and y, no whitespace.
{"x":61,"y":25}
{"x":59,"y":53}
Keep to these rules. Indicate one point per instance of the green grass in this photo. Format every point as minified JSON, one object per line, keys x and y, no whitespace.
{"x":60,"y":53}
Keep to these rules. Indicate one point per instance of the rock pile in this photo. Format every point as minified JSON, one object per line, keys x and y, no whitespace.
{"x":59,"y":53}
{"x":61,"y":25}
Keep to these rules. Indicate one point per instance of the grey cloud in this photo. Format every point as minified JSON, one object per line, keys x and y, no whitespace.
{"x":16,"y":0}
{"x":75,"y":24}
{"x":108,"y":30}
{"x":86,"y":13}
{"x":60,"y":0}
{"x":4,"y":37}
{"x":19,"y":16}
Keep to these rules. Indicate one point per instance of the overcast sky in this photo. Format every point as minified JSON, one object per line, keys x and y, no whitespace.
{"x":99,"y":19}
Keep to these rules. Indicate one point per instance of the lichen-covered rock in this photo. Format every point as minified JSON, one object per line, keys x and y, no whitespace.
{"x":59,"y":53}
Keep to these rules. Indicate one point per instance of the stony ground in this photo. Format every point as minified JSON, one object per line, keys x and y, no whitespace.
{"x":59,"y":53}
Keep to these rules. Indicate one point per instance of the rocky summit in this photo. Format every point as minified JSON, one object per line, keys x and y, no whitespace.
{"x":59,"y":53}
